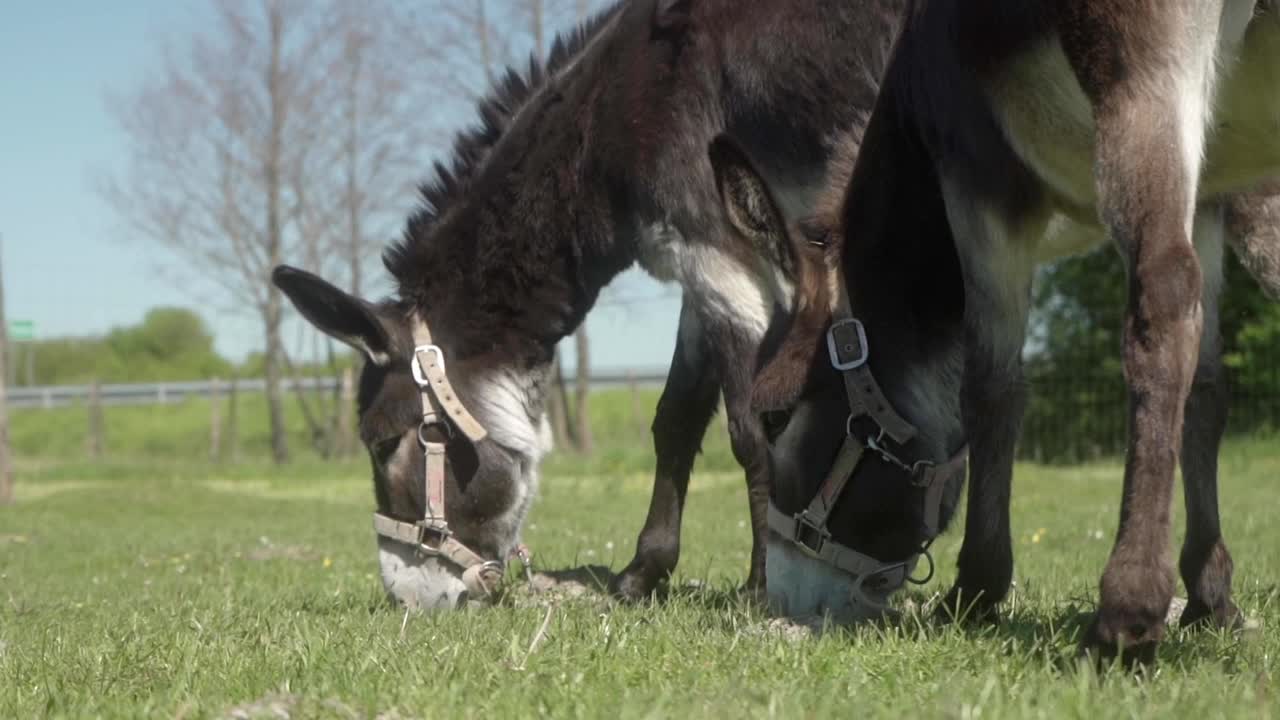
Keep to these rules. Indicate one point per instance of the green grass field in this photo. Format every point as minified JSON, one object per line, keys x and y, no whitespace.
{"x":155,"y":584}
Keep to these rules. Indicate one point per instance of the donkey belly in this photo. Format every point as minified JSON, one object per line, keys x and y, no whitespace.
{"x":1048,"y":121}
{"x":1245,"y":146}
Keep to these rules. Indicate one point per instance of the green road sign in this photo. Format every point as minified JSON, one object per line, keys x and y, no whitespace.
{"x":22,"y":330}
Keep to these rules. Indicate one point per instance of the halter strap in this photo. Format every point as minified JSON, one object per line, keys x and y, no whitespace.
{"x":442,"y":412}
{"x":849,"y":353}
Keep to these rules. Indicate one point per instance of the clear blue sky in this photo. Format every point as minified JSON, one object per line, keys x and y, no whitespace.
{"x":68,"y":265}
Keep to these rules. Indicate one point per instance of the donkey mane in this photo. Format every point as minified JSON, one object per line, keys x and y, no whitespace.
{"x":407,"y":258}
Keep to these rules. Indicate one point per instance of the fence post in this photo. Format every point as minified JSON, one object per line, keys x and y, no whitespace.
{"x":96,"y":445}
{"x":637,"y":416}
{"x":233,"y":420}
{"x":215,"y":420}
{"x":346,"y":414}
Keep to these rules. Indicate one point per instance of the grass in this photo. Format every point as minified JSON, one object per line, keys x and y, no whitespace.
{"x":157,"y":585}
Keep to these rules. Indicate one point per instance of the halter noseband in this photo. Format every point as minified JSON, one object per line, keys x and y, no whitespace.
{"x":442,"y":413}
{"x":849,"y":351}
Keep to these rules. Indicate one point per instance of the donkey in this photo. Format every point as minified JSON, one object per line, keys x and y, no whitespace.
{"x":1011,"y":133}
{"x":581,"y":168}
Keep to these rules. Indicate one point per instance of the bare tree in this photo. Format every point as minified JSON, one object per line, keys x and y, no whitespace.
{"x":213,"y":137}
{"x":6,"y":472}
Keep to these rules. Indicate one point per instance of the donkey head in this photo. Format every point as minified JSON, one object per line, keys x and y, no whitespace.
{"x":876,"y":514}
{"x":487,"y":483}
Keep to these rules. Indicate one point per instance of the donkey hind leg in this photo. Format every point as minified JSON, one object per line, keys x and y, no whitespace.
{"x":685,"y":409}
{"x":1149,"y":140}
{"x":1205,"y":563}
{"x":998,"y":266}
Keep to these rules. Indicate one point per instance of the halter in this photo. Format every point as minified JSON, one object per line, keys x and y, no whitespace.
{"x":442,"y":413}
{"x":849,"y":351}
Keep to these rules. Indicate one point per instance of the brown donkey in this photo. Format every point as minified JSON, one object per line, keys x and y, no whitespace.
{"x":1007,"y":134}
{"x":580,"y":169}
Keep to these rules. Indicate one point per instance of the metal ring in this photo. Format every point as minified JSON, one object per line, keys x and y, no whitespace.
{"x":424,"y":426}
{"x":927,"y":556}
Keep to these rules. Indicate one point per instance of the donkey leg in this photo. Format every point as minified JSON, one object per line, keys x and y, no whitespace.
{"x":1205,"y":563}
{"x":685,"y":409}
{"x":1253,"y":230}
{"x":1150,"y":118}
{"x":997,"y":274}
{"x":750,"y":445}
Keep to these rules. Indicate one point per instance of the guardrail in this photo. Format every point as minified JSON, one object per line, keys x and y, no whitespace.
{"x":53,"y":396}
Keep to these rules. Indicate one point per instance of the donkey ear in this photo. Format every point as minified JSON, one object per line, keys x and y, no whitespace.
{"x":747,"y":201}
{"x":337,"y":314}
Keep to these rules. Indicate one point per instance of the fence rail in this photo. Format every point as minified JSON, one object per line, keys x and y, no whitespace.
{"x":53,"y":396}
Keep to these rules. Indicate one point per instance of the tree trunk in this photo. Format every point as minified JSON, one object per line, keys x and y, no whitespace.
{"x":583,"y":390}
{"x":273,"y":310}
{"x":6,"y":472}
{"x":346,"y":414}
{"x":557,"y":406}
{"x":486,"y":53}
{"x":535,"y":7}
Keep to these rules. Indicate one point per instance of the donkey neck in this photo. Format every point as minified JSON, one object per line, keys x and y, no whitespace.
{"x":904,"y":282}
{"x":519,"y":237}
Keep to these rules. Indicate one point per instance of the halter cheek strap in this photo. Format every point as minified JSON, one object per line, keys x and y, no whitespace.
{"x":849,"y":352}
{"x":442,"y":413}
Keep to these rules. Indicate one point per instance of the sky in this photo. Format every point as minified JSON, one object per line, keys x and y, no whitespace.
{"x":68,"y":264}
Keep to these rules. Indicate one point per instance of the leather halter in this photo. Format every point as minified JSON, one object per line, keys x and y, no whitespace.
{"x":849,"y":351}
{"x":442,"y":413}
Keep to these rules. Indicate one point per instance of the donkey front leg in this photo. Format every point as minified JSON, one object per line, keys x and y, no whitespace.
{"x":997,"y":266}
{"x":685,"y":409}
{"x":1150,"y":109}
{"x":750,"y":444}
{"x":1205,"y":563}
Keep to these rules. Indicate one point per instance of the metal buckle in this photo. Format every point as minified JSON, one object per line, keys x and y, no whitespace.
{"x":426,"y":425}
{"x":914,"y":471}
{"x":429,"y":527}
{"x":807,"y":529}
{"x":419,"y":376}
{"x":837,"y":353}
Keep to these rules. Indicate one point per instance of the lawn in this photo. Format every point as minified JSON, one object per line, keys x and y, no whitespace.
{"x":150,"y":585}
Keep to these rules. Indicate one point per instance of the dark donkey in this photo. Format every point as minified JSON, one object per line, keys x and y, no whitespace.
{"x":592,"y":163}
{"x":1009,"y":133}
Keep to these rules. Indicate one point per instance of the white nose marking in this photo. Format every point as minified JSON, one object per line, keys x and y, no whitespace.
{"x":800,"y":585}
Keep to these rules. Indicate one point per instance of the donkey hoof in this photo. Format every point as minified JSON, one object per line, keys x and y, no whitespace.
{"x":1197,"y":614}
{"x":967,"y":607}
{"x":1132,"y":636}
{"x":635,"y":585}
{"x":754,"y":593}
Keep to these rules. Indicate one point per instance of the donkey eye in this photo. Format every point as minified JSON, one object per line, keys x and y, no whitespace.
{"x":386,"y":446}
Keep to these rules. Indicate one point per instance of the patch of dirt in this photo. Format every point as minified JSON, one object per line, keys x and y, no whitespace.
{"x":14,"y":539}
{"x":794,"y":630}
{"x":286,"y":706}
{"x":277,"y":706}
{"x":590,"y":582}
